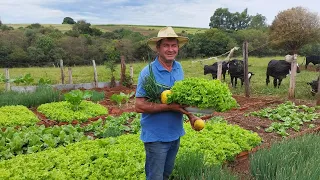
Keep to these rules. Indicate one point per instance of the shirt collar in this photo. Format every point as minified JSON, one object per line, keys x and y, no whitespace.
{"x":161,"y":68}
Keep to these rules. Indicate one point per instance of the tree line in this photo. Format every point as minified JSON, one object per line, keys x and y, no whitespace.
{"x":36,"y":45}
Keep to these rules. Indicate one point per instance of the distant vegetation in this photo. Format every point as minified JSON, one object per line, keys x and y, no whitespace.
{"x":78,"y":43}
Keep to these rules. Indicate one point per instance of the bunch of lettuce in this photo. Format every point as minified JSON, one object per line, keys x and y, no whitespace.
{"x":202,"y":93}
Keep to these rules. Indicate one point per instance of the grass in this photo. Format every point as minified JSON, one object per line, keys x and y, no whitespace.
{"x":61,"y":27}
{"x":143,"y":29}
{"x":258,"y":66}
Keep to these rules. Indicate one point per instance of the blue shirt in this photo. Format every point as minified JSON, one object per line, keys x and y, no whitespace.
{"x":163,"y":126}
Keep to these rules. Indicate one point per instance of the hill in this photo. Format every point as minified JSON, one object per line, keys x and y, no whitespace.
{"x":143,"y":29}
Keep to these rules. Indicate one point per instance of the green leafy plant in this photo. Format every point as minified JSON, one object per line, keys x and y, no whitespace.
{"x":75,"y":97}
{"x":97,"y":96}
{"x":16,"y":115}
{"x":127,"y":81}
{"x":111,"y":64}
{"x":287,"y":115}
{"x":2,"y":78}
{"x":152,"y":88}
{"x":43,"y":81}
{"x":120,"y":98}
{"x":26,"y":79}
{"x":202,"y":93}
{"x":64,"y":111}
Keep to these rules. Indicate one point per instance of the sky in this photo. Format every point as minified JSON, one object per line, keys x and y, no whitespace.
{"x":187,"y":13}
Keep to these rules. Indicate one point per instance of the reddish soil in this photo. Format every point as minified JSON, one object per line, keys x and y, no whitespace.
{"x":235,"y":116}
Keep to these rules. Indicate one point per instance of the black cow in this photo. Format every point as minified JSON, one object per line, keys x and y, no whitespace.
{"x":312,"y":59}
{"x":314,"y":86}
{"x":213,"y":69}
{"x":278,"y":69}
{"x":236,"y":70}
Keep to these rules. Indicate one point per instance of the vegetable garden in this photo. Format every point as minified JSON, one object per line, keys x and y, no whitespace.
{"x":94,"y":134}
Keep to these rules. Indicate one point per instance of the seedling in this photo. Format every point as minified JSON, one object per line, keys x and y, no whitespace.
{"x":120,"y":98}
{"x":75,"y":97}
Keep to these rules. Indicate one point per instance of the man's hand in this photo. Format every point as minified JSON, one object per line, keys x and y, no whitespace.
{"x":192,"y":119}
{"x":178,"y":108}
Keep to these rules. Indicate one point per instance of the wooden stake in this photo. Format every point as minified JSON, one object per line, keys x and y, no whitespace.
{"x":95,"y":74}
{"x":62,"y":73}
{"x":8,"y":88}
{"x":131,"y":72}
{"x":70,"y":75}
{"x":123,"y":70}
{"x":245,"y":64}
{"x":293,"y":77}
{"x":219,"y":73}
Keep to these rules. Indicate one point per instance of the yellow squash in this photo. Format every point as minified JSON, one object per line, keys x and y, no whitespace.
{"x":199,"y":124}
{"x":164,"y":96}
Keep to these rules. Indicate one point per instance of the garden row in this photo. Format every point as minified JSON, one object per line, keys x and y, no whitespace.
{"x":109,"y":148}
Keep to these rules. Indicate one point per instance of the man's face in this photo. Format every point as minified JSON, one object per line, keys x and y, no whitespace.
{"x":168,"y":49}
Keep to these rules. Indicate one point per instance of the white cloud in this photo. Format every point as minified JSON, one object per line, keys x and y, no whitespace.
{"x":190,"y":13}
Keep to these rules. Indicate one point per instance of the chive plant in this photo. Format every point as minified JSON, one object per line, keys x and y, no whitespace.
{"x":292,"y":159}
{"x":43,"y":94}
{"x":191,"y":165}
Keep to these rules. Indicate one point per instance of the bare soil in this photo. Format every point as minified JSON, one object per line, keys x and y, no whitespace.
{"x":235,"y":116}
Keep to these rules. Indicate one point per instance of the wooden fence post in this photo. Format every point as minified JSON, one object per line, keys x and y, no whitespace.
{"x":62,"y":73}
{"x":95,"y":74}
{"x":293,"y":76}
{"x":7,"y":78}
{"x":123,"y":70}
{"x":70,"y":75}
{"x":245,"y":63}
{"x":219,"y":72}
{"x":131,"y":72}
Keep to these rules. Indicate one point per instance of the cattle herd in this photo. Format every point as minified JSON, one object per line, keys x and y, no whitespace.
{"x":278,"y":69}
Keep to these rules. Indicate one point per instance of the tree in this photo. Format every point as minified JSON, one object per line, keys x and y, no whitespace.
{"x":223,"y":19}
{"x":82,"y":27}
{"x":294,"y":28}
{"x":258,"y":22}
{"x":68,"y":20}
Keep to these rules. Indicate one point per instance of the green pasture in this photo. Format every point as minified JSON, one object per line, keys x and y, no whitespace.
{"x":192,"y":68}
{"x":143,"y":29}
{"x":61,"y":27}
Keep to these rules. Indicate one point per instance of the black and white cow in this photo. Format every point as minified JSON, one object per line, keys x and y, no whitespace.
{"x":312,"y":59}
{"x":213,"y":69}
{"x":314,"y":86}
{"x":278,"y":69}
{"x":236,"y":70}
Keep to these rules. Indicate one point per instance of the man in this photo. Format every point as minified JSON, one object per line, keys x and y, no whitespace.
{"x":162,"y":124}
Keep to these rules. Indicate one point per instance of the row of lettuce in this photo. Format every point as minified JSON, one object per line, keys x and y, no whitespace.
{"x":120,"y":157}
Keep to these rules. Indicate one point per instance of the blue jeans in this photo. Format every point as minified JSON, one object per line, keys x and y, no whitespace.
{"x":160,"y":157}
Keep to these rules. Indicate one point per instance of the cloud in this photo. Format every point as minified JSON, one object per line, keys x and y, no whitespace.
{"x":189,"y":13}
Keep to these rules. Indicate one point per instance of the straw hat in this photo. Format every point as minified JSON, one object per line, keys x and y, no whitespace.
{"x":165,"y":33}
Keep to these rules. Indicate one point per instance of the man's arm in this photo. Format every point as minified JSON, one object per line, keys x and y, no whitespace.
{"x":143,"y":106}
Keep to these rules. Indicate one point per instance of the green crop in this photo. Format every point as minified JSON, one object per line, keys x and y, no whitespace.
{"x":202,"y":93}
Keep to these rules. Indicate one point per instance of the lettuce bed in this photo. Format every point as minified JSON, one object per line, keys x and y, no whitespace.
{"x":123,"y":157}
{"x":17,"y":116}
{"x":62,"y":111}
